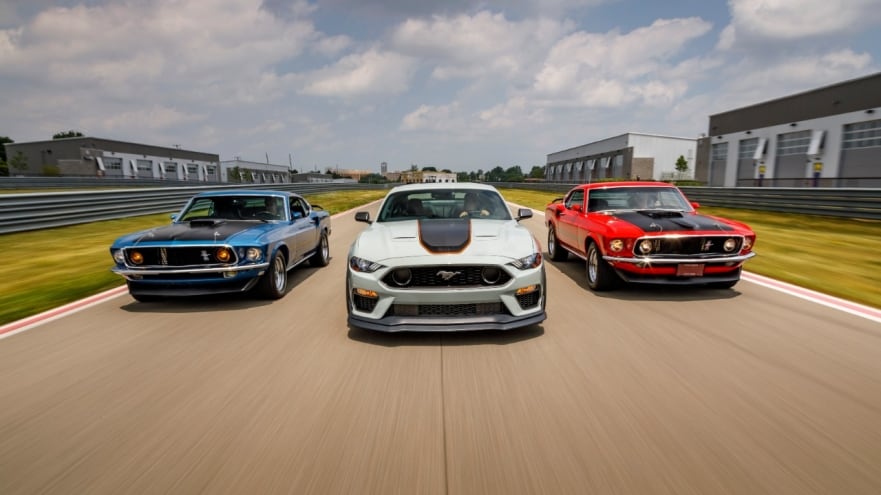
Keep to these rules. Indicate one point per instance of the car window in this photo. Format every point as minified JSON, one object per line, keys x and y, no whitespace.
{"x":199,"y":208}
{"x":444,"y":203}
{"x":576,"y":197}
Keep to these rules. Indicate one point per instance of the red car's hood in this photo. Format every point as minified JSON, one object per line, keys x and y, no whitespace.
{"x":669,"y":221}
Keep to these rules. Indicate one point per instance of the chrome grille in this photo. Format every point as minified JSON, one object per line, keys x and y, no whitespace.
{"x":689,"y":245}
{"x":178,"y":256}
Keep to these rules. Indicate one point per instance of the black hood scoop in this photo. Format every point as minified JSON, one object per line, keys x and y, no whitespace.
{"x":443,"y":235}
{"x":199,"y":230}
{"x":665,"y":221}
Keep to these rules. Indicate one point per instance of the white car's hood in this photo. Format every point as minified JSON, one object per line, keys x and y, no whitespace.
{"x":388,"y":240}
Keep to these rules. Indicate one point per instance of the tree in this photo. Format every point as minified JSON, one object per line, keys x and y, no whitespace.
{"x":4,"y":140}
{"x":513,"y":174}
{"x":537,"y":172}
{"x":681,"y":164}
{"x":429,"y":169}
{"x":19,"y":162}
{"x":67,"y":134}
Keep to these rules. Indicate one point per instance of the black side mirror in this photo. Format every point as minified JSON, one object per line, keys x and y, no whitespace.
{"x":524,"y":213}
{"x":363,"y":216}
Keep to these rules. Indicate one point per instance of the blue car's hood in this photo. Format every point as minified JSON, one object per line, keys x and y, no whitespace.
{"x":225,"y":231}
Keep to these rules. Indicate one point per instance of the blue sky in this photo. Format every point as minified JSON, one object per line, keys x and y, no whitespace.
{"x":459,"y":84}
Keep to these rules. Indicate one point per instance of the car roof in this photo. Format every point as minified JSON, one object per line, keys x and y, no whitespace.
{"x":635,"y":183}
{"x":430,"y":186}
{"x":246,"y":192}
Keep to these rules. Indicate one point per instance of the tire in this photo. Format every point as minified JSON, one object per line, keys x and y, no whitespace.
{"x":555,"y":251}
{"x":600,"y":275}
{"x":321,"y":257}
{"x":274,"y":283}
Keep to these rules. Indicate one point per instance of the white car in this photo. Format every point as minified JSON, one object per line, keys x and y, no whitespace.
{"x":445,"y":257}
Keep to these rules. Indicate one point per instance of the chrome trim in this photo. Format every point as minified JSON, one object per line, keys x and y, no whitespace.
{"x":151,"y":271}
{"x":647,"y":261}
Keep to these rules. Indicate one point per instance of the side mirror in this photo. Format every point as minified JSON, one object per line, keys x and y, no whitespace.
{"x":363,"y":216}
{"x":695,"y":205}
{"x":523,"y":213}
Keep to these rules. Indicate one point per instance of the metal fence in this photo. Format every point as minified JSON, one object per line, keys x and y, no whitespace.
{"x":41,"y":210}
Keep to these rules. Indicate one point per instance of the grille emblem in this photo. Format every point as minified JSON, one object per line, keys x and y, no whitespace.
{"x":706,"y":245}
{"x":446,"y":275}
{"x":163,"y":256}
{"x":205,"y":256}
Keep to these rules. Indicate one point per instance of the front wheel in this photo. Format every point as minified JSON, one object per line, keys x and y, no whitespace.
{"x":600,"y":275}
{"x":555,"y":251}
{"x":322,"y":254}
{"x":274,"y":282}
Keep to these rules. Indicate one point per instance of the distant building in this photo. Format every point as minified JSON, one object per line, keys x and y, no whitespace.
{"x":91,"y":156}
{"x":416,"y":177}
{"x":312,"y":177}
{"x":383,"y":168}
{"x":828,"y":137}
{"x":247,"y":172}
{"x":629,"y":156}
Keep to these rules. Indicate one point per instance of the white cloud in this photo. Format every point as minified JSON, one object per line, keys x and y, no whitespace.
{"x":782,"y":20}
{"x":483,"y":44}
{"x":369,"y":73}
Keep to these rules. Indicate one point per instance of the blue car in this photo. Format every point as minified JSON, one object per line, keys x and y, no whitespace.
{"x":222,"y":242}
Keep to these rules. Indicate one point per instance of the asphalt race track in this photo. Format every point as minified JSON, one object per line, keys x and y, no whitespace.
{"x":642,"y":391}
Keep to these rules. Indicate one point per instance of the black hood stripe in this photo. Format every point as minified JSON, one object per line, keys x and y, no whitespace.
{"x":663,"y":221}
{"x":444,"y":235}
{"x":198,"y":231}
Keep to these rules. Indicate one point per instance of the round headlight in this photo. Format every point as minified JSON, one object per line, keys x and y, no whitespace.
{"x":645,"y":246}
{"x":223,"y":255}
{"x":136,"y":257}
{"x":616,"y":245}
{"x":253,"y":254}
{"x":490,"y":274}
{"x":402,"y":276}
{"x":730,"y":245}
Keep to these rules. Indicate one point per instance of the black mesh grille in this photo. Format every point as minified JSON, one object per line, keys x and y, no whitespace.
{"x":178,"y":256}
{"x":450,"y":276}
{"x":529,"y":300}
{"x":362,"y":303}
{"x":697,"y":245}
{"x":471,"y":309}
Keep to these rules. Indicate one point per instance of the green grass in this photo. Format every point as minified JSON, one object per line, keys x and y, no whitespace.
{"x":836,"y":256}
{"x":47,"y":268}
{"x":44,"y":269}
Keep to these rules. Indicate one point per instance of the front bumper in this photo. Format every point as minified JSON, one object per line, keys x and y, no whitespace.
{"x":450,"y":309}
{"x":171,"y":282}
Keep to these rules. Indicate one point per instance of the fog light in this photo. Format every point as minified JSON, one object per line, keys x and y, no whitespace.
{"x":136,"y":257}
{"x":366,"y":293}
{"x":223,"y":255}
{"x":529,"y":289}
{"x":229,"y":274}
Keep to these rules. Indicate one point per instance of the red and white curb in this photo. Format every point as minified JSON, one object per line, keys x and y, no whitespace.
{"x":30,"y":322}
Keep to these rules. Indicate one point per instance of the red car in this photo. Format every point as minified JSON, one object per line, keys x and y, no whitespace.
{"x":645,"y":232}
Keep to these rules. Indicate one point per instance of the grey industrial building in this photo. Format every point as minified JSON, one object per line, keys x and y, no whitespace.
{"x":628,"y":156}
{"x":827,"y":137}
{"x":91,"y":157}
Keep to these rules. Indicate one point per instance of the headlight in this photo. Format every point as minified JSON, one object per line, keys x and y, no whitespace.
{"x":730,"y":245}
{"x":118,"y":256}
{"x":254,"y":254}
{"x":616,"y":245}
{"x":362,"y":265}
{"x":531,"y":261}
{"x":645,"y":246}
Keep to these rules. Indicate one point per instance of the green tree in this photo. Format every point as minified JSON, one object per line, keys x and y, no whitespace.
{"x":19,"y":162}
{"x":681,"y":164}
{"x":513,"y":174}
{"x":4,"y":140}
{"x":537,"y":172}
{"x":429,"y":169}
{"x":67,"y":134}
{"x":497,"y":174}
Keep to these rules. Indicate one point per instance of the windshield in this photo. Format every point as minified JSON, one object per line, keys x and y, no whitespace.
{"x":235,"y":208}
{"x":444,"y":203}
{"x":637,"y":198}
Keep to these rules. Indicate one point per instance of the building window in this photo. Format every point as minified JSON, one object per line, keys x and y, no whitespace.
{"x":862,"y":135}
{"x":720,"y":152}
{"x":112,"y":163}
{"x":171,"y":167}
{"x":192,"y":169}
{"x":748,"y":148}
{"x":793,"y":143}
